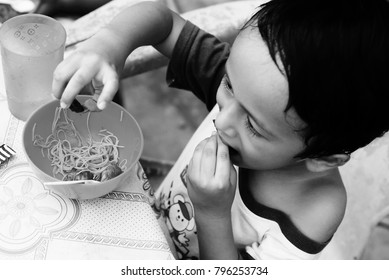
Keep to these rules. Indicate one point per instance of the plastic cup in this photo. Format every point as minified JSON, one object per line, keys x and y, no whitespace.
{"x":32,"y":46}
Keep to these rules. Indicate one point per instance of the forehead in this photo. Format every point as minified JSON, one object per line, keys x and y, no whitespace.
{"x":258,"y":82}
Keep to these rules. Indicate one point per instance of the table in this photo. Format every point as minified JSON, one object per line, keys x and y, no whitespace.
{"x":36,"y":223}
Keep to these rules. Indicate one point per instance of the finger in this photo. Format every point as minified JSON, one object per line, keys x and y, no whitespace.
{"x":77,"y":82}
{"x":61,"y":76}
{"x":208,"y":158}
{"x":195,"y":171}
{"x":223,"y":163}
{"x":109,"y":89}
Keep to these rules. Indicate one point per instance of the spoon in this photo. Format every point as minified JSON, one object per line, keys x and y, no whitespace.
{"x":76,"y":182}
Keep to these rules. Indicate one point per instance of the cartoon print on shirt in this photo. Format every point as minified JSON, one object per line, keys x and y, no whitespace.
{"x":179,"y":220}
{"x":173,"y":205}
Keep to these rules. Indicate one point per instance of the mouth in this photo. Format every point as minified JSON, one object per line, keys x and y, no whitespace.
{"x":232,"y":152}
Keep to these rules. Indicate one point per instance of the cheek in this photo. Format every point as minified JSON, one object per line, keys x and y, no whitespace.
{"x":268,"y":156}
{"x":218,"y":97}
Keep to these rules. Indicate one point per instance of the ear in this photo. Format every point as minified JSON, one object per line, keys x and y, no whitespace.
{"x":326,"y":163}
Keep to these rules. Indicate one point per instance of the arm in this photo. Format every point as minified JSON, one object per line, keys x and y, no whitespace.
{"x":100,"y":59}
{"x":211,"y":188}
{"x":215,"y":237}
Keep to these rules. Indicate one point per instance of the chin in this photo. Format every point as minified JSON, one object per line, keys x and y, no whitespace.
{"x":237,"y":160}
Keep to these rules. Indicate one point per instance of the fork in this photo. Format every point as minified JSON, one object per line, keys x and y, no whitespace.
{"x":6,"y":152}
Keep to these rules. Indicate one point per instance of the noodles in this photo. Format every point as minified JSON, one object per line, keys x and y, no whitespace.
{"x":72,"y":155}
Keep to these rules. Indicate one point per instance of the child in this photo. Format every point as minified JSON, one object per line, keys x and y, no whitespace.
{"x":302,"y":87}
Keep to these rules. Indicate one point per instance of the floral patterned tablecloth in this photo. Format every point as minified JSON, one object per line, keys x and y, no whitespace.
{"x":36,"y":223}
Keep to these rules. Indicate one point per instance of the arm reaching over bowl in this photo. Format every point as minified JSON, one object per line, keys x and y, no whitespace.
{"x":100,"y":59}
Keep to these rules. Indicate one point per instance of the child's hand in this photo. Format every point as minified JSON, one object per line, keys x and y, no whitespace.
{"x":101,"y":58}
{"x":89,"y":64}
{"x":211,"y":178}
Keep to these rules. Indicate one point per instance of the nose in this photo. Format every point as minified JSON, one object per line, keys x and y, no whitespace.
{"x":228,"y":117}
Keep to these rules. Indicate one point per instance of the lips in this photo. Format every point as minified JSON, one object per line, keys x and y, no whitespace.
{"x":232,"y":151}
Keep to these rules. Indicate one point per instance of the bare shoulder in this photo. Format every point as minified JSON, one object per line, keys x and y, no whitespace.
{"x":322,"y":209}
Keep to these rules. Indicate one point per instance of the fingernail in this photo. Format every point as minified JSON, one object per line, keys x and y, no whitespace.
{"x":55,"y":97}
{"x":101,"y":105}
{"x":63,"y":105}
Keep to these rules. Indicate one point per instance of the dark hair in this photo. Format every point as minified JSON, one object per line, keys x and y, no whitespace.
{"x":335,"y":55}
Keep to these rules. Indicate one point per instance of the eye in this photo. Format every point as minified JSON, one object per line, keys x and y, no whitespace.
{"x":251,"y":128}
{"x":227,"y":84}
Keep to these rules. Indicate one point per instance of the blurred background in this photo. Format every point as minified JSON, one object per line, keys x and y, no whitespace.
{"x":168,"y":117}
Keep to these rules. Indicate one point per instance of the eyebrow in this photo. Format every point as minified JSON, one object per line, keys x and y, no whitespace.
{"x":258,"y":122}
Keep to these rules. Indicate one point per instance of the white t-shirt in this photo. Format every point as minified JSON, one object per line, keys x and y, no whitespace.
{"x":269,"y":232}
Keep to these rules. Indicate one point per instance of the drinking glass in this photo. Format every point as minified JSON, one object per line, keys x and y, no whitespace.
{"x":32,"y":45}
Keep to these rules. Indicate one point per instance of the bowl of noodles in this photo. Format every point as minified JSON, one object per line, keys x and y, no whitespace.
{"x":102,"y":147}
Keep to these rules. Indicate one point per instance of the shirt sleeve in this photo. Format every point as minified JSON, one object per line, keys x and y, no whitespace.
{"x":197,"y":63}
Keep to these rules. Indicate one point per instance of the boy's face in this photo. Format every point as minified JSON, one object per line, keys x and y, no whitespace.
{"x":252,"y":98}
